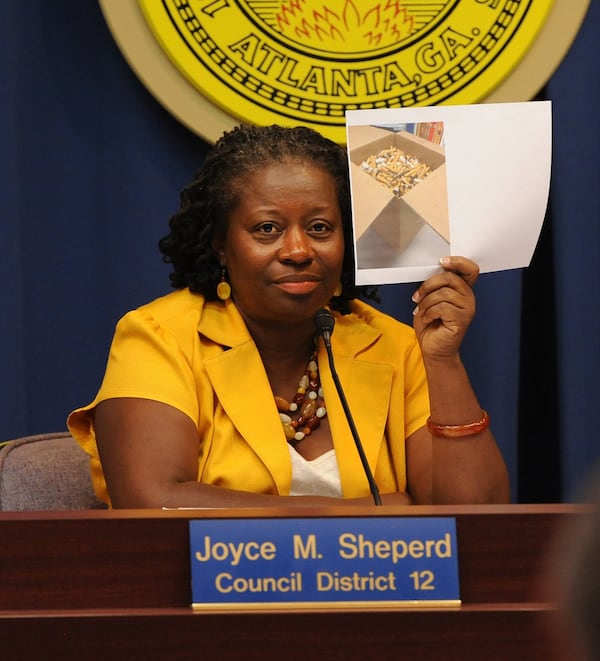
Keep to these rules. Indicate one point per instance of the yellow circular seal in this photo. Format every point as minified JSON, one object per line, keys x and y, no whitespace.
{"x":309,"y":61}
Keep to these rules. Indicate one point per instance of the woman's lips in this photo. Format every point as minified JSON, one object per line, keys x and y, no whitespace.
{"x":298,"y":283}
{"x":298,"y":287}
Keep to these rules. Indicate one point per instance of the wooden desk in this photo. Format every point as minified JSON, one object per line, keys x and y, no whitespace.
{"x":116,"y":585}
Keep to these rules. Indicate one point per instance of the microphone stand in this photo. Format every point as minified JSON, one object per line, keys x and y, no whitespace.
{"x":324,"y":322}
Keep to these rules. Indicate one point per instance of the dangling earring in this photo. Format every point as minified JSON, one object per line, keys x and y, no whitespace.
{"x":223,"y":288}
{"x":338,"y":290}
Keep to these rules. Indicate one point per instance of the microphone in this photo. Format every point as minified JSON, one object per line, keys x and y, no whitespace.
{"x":324,"y":323}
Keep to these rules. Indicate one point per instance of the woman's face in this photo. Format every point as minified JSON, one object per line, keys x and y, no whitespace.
{"x":284,"y":245}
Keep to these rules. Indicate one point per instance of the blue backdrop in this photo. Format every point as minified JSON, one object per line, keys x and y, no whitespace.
{"x":91,"y":169}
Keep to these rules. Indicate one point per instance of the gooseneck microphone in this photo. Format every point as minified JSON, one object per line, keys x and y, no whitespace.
{"x":324,"y":323}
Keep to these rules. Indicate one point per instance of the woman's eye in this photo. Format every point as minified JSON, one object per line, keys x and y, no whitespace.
{"x":267,"y":228}
{"x":319,"y":227}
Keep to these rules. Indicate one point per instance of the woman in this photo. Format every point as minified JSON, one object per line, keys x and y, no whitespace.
{"x":188,"y":414}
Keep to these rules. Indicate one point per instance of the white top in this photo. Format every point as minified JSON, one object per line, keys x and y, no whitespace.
{"x":318,"y":477}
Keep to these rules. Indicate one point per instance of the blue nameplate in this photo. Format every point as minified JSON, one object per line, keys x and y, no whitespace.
{"x":334,"y":562}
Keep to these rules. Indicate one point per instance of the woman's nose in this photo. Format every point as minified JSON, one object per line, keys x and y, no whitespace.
{"x":295,"y":246}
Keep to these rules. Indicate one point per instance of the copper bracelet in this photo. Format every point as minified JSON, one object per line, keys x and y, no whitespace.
{"x":458,"y":431}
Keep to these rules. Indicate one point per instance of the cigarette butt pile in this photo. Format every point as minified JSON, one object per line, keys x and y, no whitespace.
{"x":396,"y":170}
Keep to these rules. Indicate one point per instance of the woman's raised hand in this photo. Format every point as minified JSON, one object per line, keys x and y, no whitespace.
{"x":445,"y":307}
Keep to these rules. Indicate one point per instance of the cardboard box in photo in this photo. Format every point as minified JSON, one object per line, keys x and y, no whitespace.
{"x":397,"y":219}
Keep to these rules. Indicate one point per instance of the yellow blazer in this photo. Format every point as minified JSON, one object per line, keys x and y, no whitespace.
{"x":199,"y":357}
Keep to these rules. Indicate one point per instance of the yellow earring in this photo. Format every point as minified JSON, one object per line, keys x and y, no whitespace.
{"x":338,"y":290}
{"x":223,"y":288}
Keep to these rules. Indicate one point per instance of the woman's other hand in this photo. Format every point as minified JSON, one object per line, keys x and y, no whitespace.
{"x":445,"y":307}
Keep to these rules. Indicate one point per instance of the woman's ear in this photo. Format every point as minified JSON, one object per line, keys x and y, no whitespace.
{"x":217,"y":246}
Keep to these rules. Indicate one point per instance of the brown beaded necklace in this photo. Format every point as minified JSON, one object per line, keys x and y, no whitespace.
{"x":308,"y":405}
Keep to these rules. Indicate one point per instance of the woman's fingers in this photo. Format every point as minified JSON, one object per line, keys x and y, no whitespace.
{"x":467,"y":269}
{"x":459,"y":274}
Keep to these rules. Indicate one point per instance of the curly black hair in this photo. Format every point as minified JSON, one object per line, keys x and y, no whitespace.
{"x":206,"y":202}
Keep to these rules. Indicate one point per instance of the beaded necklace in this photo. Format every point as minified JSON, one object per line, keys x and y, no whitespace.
{"x":308,"y":404}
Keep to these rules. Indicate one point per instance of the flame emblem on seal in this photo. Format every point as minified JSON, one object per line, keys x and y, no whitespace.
{"x":335,"y":23}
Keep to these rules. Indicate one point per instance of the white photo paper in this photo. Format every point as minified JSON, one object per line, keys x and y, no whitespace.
{"x":427,"y":182}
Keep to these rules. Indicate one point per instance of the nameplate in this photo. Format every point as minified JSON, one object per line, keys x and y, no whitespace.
{"x":349,"y":562}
